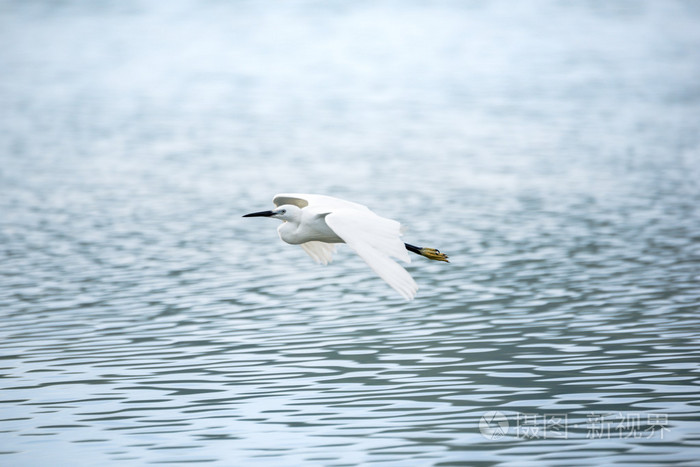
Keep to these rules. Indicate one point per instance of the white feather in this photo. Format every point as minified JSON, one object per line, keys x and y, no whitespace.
{"x":316,"y":222}
{"x":320,"y":252}
{"x":375,"y":239}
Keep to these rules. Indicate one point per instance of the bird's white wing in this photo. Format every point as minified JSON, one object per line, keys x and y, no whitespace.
{"x":376,"y":239}
{"x":321,"y":252}
{"x":304,"y":200}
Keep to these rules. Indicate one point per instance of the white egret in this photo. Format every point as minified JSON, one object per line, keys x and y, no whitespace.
{"x":317,"y":222}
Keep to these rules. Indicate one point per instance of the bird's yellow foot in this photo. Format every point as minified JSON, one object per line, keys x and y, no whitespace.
{"x":432,"y":253}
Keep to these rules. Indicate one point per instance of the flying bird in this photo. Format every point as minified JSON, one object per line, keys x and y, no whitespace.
{"x":318,"y":222}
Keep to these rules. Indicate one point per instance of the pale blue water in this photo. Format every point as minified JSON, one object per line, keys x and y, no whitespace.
{"x":552,"y":149}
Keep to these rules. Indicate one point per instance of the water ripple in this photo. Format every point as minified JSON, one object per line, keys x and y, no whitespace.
{"x":145,"y":323}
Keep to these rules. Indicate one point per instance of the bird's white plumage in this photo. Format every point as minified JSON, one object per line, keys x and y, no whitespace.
{"x":303,"y":200}
{"x":321,"y":252}
{"x":374,"y":238}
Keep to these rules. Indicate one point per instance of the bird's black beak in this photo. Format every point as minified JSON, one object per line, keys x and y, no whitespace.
{"x":260,"y":214}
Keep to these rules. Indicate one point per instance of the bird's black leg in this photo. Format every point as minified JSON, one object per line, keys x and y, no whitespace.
{"x":412,"y":248}
{"x":430,"y":253}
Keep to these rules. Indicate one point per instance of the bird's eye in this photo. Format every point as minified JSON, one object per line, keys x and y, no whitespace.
{"x":283,"y":211}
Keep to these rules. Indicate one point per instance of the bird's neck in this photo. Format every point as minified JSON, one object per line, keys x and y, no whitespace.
{"x":289,"y":232}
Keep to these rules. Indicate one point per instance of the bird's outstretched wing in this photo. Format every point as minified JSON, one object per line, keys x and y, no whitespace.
{"x":321,"y":252}
{"x":304,"y":200}
{"x":376,"y":239}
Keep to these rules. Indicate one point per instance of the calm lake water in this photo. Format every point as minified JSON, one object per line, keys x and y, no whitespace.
{"x":552,"y":149}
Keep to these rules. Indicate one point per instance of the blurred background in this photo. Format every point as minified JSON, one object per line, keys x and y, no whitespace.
{"x":552,"y":149}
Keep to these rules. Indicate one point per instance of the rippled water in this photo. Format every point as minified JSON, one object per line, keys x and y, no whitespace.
{"x":551,"y":149}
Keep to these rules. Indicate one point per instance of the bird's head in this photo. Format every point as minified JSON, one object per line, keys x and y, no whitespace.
{"x":286,"y":212}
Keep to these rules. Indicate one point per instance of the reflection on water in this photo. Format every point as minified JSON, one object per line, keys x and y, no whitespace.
{"x":550,"y":149}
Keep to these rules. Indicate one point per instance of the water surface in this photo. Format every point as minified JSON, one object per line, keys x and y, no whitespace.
{"x":551,"y":149}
